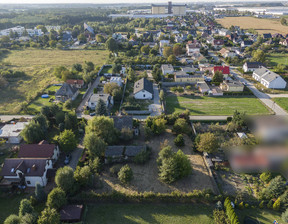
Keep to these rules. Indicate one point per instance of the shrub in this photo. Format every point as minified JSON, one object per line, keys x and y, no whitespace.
{"x":179,"y":140}
{"x":114,"y":170}
{"x":261,"y":205}
{"x":125,"y":174}
{"x":270,"y":204}
{"x":12,"y":219}
{"x":284,"y":216}
{"x":241,"y":205}
{"x":25,"y":208}
{"x":143,"y":156}
{"x":277,"y":204}
{"x":220,"y":217}
{"x":181,"y":126}
{"x":266,"y":177}
{"x":56,"y":198}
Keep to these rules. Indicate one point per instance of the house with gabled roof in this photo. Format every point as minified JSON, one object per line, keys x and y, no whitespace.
{"x":143,"y":89}
{"x":251,"y":66}
{"x":66,"y":92}
{"x":269,"y":78}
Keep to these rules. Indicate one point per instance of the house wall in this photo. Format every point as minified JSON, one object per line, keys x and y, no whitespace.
{"x":189,"y":79}
{"x":56,"y":154}
{"x":278,"y":83}
{"x":143,"y":95}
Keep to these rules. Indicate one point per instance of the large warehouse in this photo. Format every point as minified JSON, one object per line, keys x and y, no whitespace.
{"x":169,"y":9}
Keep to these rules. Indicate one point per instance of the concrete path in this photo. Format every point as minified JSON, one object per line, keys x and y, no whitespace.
{"x":208,"y":118}
{"x":265,"y":98}
{"x":278,"y":95}
{"x":156,"y":106}
{"x":76,"y":154}
{"x":6,"y":118}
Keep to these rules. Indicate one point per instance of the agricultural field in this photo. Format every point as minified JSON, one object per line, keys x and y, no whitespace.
{"x":260,"y":25}
{"x":38,"y":66}
{"x":282,"y":102}
{"x":223,"y":105}
{"x":150,"y":213}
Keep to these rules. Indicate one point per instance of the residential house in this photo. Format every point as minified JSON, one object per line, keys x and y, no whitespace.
{"x":167,"y":69}
{"x":217,"y":43}
{"x":199,"y":57}
{"x":78,"y":83}
{"x":188,"y":69}
{"x":192,"y":47}
{"x":225,"y":70}
{"x":125,"y":122}
{"x":41,"y":151}
{"x":251,"y":66}
{"x":225,"y":53}
{"x":143,"y":89}
{"x":203,"y":87}
{"x":11,"y":132}
{"x":215,"y":91}
{"x":224,"y":32}
{"x":231,"y":86}
{"x":94,"y":99}
{"x":182,"y":76}
{"x":163,"y":43}
{"x":27,"y":171}
{"x":117,"y":80}
{"x":267,"y":36}
{"x":246,"y":43}
{"x":66,"y":92}
{"x":284,"y":42}
{"x":269,"y":79}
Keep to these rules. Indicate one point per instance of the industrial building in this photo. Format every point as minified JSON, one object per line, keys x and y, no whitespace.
{"x":169,"y":9}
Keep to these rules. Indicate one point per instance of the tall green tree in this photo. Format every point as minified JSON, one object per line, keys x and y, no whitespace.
{"x":67,"y":141}
{"x":65,"y":178}
{"x":49,"y":216}
{"x":101,"y":108}
{"x":208,"y":142}
{"x":112,"y":45}
{"x":95,"y":145}
{"x":56,"y":198}
{"x":32,"y":133}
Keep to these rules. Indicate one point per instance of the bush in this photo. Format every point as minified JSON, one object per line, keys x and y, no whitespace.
{"x":276,"y":205}
{"x":266,"y":177}
{"x":270,"y":204}
{"x":179,"y":140}
{"x":220,"y":217}
{"x":284,"y":216}
{"x":125,"y":174}
{"x":143,"y":156}
{"x":261,"y":205}
{"x":12,"y":219}
{"x":241,"y":205}
{"x":181,"y":126}
{"x":114,"y":170}
{"x":56,"y":198}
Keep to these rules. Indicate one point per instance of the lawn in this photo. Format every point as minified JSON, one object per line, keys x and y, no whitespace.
{"x":262,"y":215}
{"x":277,"y":58}
{"x":149,"y":213}
{"x":260,"y":25}
{"x":38,"y":65}
{"x":222,"y":105}
{"x":106,"y":69}
{"x":9,"y":205}
{"x":282,"y":102}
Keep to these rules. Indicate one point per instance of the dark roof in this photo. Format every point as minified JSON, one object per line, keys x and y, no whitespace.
{"x":121,"y":122}
{"x":28,"y":166}
{"x":115,"y":150}
{"x":71,"y":213}
{"x":254,"y":64}
{"x":66,"y":90}
{"x":36,"y":151}
{"x":143,"y":84}
{"x":267,"y":35}
{"x":134,"y":150}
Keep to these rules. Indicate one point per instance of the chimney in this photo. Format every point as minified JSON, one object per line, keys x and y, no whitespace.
{"x":34,"y":167}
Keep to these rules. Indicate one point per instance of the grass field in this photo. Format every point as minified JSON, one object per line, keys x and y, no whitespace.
{"x":107,"y":69}
{"x":260,"y":25}
{"x":149,"y":213}
{"x":262,"y":215}
{"x":224,"y":105}
{"x":9,"y":205}
{"x":276,"y":59}
{"x":282,"y":102}
{"x":38,"y":66}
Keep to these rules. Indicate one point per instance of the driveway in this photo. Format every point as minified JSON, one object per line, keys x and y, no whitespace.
{"x":265,"y":98}
{"x":208,"y":118}
{"x":76,"y":154}
{"x":156,"y":106}
{"x":11,"y":117}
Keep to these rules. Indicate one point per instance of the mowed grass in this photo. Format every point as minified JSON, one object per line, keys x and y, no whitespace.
{"x":264,"y":216}
{"x":39,"y":65}
{"x":222,"y":105}
{"x":149,"y":213}
{"x":9,"y":205}
{"x":282,"y":102}
{"x":260,"y":25}
{"x":277,"y":58}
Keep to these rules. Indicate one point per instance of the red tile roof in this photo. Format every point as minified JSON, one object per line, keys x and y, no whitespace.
{"x":223,"y":69}
{"x":36,"y":151}
{"x":75,"y":81}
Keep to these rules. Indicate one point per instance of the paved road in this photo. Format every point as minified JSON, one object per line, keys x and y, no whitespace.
{"x":265,"y":98}
{"x":86,"y":98}
{"x":10,"y":117}
{"x":278,"y":95}
{"x":156,"y":106}
{"x":208,"y":118}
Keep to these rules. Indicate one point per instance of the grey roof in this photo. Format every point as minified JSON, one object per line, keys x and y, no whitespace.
{"x":97,"y":97}
{"x":121,"y":122}
{"x":25,"y":166}
{"x":202,"y":85}
{"x":233,"y":83}
{"x":270,"y":76}
{"x":66,"y":90}
{"x":254,"y":64}
{"x":143,"y":84}
{"x":115,"y":150}
{"x":261,"y":71}
{"x":134,"y":150}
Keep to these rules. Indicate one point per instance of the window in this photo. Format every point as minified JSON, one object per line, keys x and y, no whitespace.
{"x":143,"y":95}
{"x":28,"y":182}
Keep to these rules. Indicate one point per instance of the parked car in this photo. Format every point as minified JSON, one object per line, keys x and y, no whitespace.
{"x":92,"y":114}
{"x":67,"y":159}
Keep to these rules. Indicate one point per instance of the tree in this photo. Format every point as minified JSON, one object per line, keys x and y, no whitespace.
{"x":167,"y":51}
{"x":49,"y":216}
{"x":266,"y":177}
{"x":95,"y":165}
{"x":171,"y":59}
{"x":65,"y":178}
{"x":208,"y":142}
{"x":116,"y":68}
{"x":156,"y":124}
{"x":56,"y":198}
{"x":95,"y":145}
{"x":131,"y":75}
{"x":276,"y":187}
{"x":77,"y":67}
{"x":217,"y":77}
{"x":177,"y":49}
{"x":71,"y":121}
{"x":259,"y":56}
{"x":125,"y":174}
{"x":284,"y":216}
{"x":100,"y":38}
{"x":179,"y":140}
{"x":29,"y":219}
{"x":110,"y":87}
{"x":81,"y":38}
{"x":181,"y":126}
{"x":145,"y":49}
{"x":104,"y":128}
{"x":162,"y":95}
{"x":67,"y":141}
{"x":101,"y":108}
{"x":58,"y":71}
{"x":283,"y":21}
{"x":89,"y":66}
{"x":12,"y":219}
{"x":220,"y":217}
{"x":82,"y":175}
{"x":32,"y":133}
{"x":68,"y":104}
{"x":42,"y":28}
{"x":25,"y":207}
{"x":277,"y":204}
{"x":112,"y":45}
{"x":40,"y":194}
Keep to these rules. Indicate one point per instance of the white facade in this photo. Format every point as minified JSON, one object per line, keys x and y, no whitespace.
{"x":143,"y":95}
{"x":277,"y":83}
{"x":116,"y":80}
{"x":20,"y":30}
{"x":269,"y":79}
{"x":11,"y":132}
